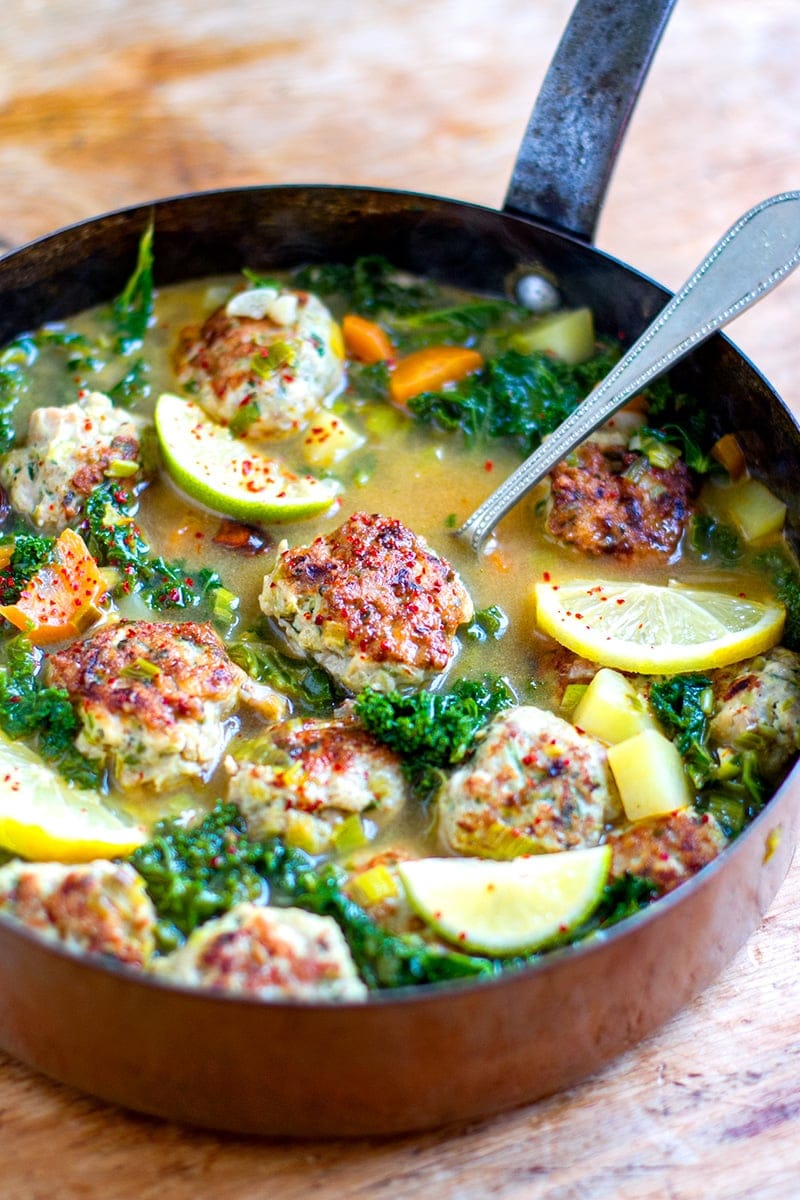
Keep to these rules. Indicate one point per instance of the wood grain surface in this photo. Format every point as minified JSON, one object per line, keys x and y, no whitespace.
{"x":111,"y":102}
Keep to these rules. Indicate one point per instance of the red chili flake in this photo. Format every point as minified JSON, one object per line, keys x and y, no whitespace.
{"x":488,"y":465}
{"x":546,"y":576}
{"x":620,"y":600}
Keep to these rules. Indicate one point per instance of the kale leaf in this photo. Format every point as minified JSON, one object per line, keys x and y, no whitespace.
{"x":368,"y":285}
{"x":30,"y":552}
{"x":683,"y":705}
{"x":115,"y":540}
{"x":201,"y":872}
{"x":432,"y":731}
{"x":518,"y":397}
{"x":308,"y":686}
{"x":30,"y":709}
{"x":781,"y":571}
{"x":132,"y":309}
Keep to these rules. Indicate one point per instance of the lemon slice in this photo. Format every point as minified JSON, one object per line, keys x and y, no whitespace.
{"x":43,"y":818}
{"x":653,"y":630}
{"x":511,"y":907}
{"x":230,"y":475}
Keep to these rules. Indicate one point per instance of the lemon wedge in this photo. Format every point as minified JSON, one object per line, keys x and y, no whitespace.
{"x":230,"y":475}
{"x":44,"y":818}
{"x":653,"y":630}
{"x":503,"y":908}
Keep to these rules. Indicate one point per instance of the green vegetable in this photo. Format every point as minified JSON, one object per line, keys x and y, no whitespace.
{"x":201,"y":872}
{"x":133,"y":308}
{"x":683,"y":705}
{"x":30,"y":552}
{"x":115,"y":540}
{"x":133,"y":387}
{"x":487,"y":623}
{"x":370,"y":381}
{"x":432,"y":731}
{"x":666,"y":436}
{"x":732,"y":790}
{"x":782,"y":572}
{"x":460,"y":323}
{"x":713,"y":539}
{"x":308,"y":686}
{"x":29,"y":709}
{"x":518,"y":397}
{"x":18,"y":357}
{"x":370,"y":284}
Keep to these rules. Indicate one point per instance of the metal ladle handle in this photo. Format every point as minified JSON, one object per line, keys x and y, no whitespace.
{"x":755,"y":255}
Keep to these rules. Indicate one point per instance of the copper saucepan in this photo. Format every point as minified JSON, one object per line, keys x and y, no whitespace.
{"x":433,"y":1055}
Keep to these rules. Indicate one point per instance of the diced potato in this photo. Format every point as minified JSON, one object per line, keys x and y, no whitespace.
{"x":328,"y":439}
{"x":753,"y":508}
{"x":649,"y":774}
{"x":611,"y":709}
{"x":568,"y":335}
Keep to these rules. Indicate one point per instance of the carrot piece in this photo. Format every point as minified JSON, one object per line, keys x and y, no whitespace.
{"x":365,"y":340}
{"x":60,"y":599}
{"x":729,"y":453}
{"x":429,"y":369}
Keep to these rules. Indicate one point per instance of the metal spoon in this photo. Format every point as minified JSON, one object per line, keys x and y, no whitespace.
{"x":756,"y":253}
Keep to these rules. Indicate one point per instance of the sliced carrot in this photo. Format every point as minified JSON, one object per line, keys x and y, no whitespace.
{"x":365,"y":340}
{"x":429,"y":369}
{"x":60,"y":600}
{"x":729,"y":453}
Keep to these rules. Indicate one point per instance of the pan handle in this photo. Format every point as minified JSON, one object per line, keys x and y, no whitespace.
{"x":579,"y":120}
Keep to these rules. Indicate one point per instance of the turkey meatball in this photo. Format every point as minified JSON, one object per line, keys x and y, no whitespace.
{"x":101,"y":907}
{"x":271,"y":953}
{"x":153,"y":697}
{"x":302,"y":778}
{"x":67,"y":453}
{"x":264,"y":362}
{"x":535,"y":784}
{"x":371,"y":602}
{"x":667,"y":850}
{"x":758,"y":702}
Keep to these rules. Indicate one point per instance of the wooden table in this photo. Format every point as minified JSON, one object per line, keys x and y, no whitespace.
{"x":110,"y":102}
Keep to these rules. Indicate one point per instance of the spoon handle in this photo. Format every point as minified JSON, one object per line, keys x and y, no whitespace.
{"x":756,"y":253}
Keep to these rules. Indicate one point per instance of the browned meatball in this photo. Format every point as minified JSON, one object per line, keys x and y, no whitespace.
{"x":758,"y":705}
{"x":264,"y":362}
{"x":371,"y":602}
{"x":152,"y":698}
{"x":302,"y":778}
{"x":273,"y":953}
{"x":667,"y":850}
{"x":610,"y":500}
{"x":101,"y":907}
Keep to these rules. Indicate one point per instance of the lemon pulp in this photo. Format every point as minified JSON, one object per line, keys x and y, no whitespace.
{"x":510,"y":907}
{"x":651,"y":629}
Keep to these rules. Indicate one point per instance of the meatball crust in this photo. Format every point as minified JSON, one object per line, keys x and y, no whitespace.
{"x":151,"y":696}
{"x":66,"y":455}
{"x":264,"y":362}
{"x":758,"y":702}
{"x":302,"y":778}
{"x":667,"y":850}
{"x":101,"y":907}
{"x":610,"y":500}
{"x":534,"y":781}
{"x":371,"y":602}
{"x":271,"y":953}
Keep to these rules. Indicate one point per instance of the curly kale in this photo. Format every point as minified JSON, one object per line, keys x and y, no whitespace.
{"x":115,"y":540}
{"x":201,"y":872}
{"x":30,"y":552}
{"x":132,"y":309}
{"x":432,"y":731}
{"x":518,"y":397}
{"x":368,"y":285}
{"x":29,"y":709}
{"x":732,"y":790}
{"x":308,"y":686}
